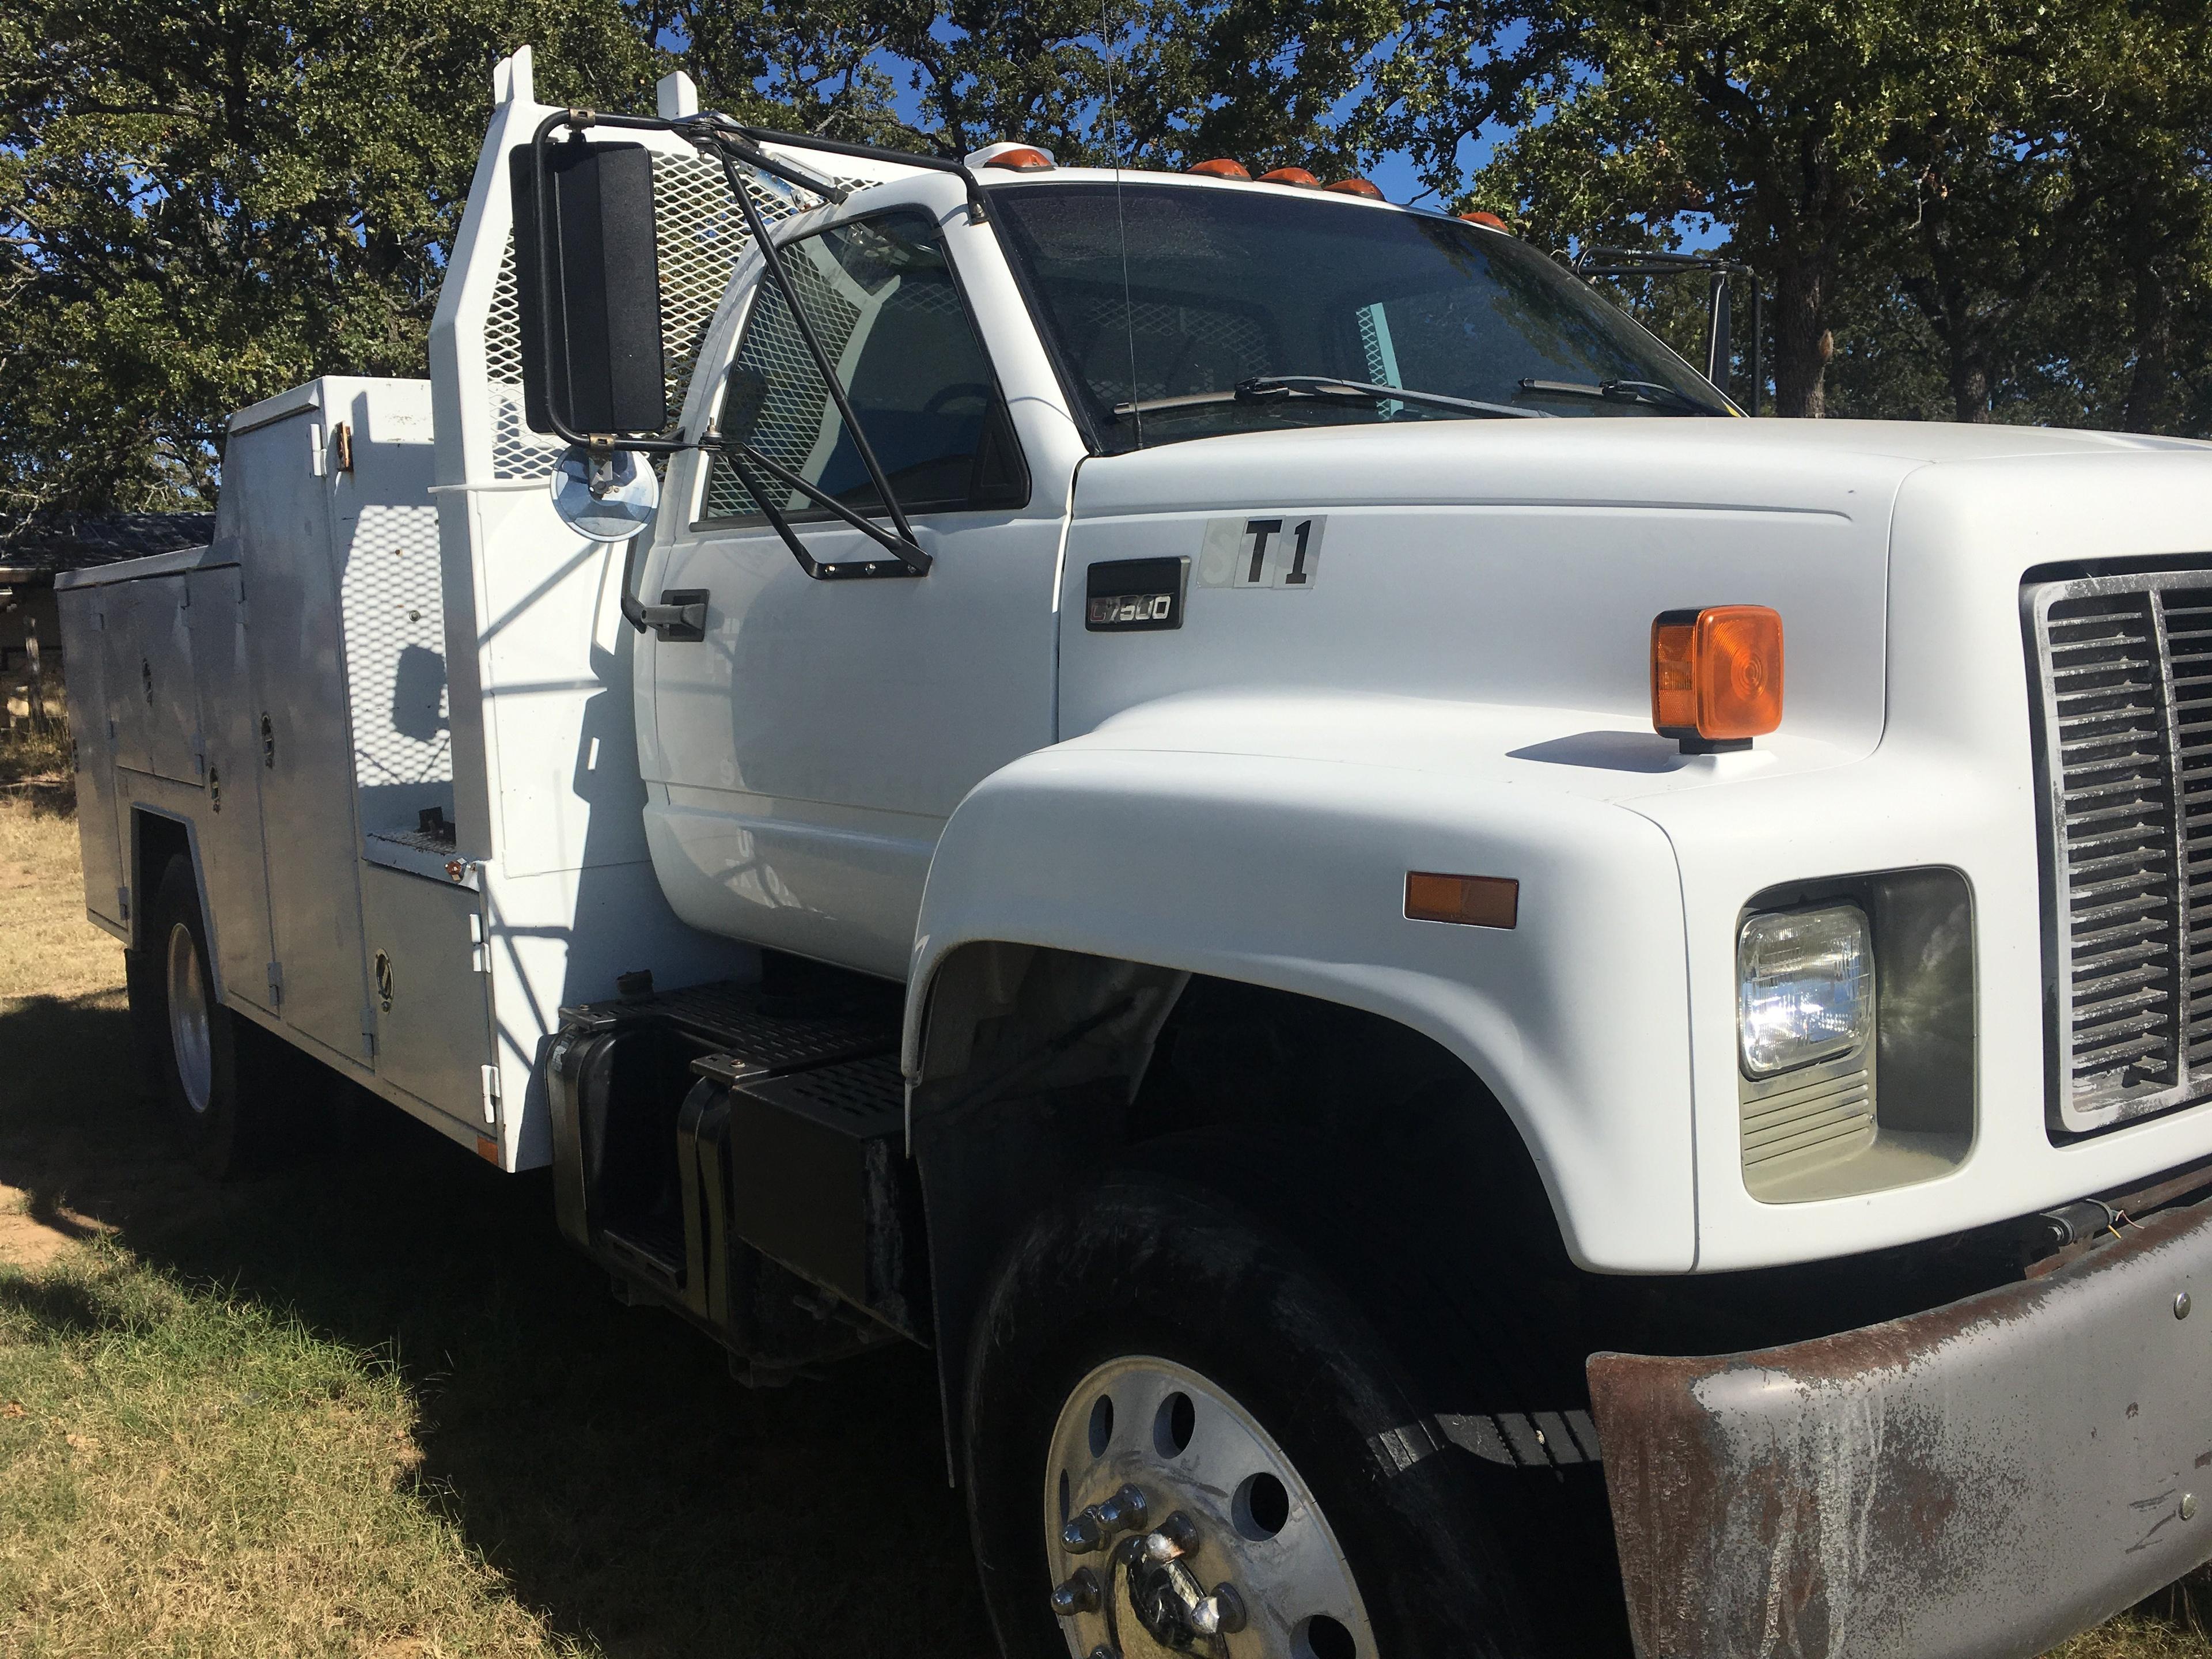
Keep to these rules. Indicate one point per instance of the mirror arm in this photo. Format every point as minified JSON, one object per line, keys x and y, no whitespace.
{"x":977,"y":214}
{"x":737,"y":454}
{"x":908,"y":551}
{"x":908,"y":554}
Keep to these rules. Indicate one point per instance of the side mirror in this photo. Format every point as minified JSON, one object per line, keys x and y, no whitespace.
{"x":588,"y":278}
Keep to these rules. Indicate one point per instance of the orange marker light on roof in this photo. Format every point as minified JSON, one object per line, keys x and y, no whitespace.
{"x":1298,"y":176}
{"x":1221,"y":167}
{"x":1490,"y":219}
{"x":1024,"y":160}
{"x":1717,"y":676}
{"x":1357,"y":187}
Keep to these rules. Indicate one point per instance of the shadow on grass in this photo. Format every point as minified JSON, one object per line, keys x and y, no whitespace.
{"x":600,"y":1456}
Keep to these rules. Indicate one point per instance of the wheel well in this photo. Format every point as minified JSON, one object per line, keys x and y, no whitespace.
{"x":1042,"y":1069}
{"x":154,"y":839}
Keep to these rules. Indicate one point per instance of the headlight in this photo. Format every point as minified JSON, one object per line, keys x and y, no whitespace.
{"x":1805,"y":987}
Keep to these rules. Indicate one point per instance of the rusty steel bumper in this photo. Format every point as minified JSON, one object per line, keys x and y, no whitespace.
{"x":1984,"y":1478}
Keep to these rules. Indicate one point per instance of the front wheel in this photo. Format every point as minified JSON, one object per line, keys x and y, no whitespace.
{"x":1177,"y":1440}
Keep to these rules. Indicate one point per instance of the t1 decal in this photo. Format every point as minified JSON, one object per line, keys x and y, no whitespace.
{"x":1268,"y":550}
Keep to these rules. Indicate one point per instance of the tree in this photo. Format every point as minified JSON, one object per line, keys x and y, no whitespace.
{"x":203,"y":205}
{"x":1148,"y":82}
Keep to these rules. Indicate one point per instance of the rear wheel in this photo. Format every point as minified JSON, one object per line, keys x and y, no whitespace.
{"x":192,"y":1042}
{"x":1177,"y":1440}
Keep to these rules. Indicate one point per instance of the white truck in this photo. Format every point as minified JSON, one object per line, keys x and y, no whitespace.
{"x":1078,"y":767}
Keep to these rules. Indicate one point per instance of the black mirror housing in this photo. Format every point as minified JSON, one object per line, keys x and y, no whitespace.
{"x":588,"y":284}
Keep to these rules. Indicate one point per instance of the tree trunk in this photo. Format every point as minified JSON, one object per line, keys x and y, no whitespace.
{"x":1970,"y":387}
{"x":2150,"y":385}
{"x":1802,"y":344}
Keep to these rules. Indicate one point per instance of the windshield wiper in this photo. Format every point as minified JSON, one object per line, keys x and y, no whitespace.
{"x":1270,"y":388}
{"x":1621,"y":391}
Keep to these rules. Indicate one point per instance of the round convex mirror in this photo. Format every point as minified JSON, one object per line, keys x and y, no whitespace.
{"x":609,"y":498}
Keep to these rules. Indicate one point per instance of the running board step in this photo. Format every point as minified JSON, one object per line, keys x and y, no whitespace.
{"x":700,"y":1135}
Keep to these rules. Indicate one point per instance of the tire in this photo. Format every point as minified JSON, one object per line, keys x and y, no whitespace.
{"x":1148,"y":1279}
{"x":192,"y":1043}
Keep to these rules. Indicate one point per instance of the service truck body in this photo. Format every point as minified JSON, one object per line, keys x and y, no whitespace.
{"x":1189,"y":715}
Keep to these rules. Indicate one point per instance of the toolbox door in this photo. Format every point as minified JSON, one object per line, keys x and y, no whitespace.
{"x":427,"y":965}
{"x":84,"y":680}
{"x":283,"y":524}
{"x":152,"y":693}
{"x":230,"y":831}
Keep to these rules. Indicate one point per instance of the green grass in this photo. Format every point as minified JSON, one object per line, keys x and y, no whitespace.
{"x":371,"y":1405}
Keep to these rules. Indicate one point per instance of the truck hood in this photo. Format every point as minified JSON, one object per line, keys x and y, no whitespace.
{"x":1656,"y":460}
{"x":1486,"y":595}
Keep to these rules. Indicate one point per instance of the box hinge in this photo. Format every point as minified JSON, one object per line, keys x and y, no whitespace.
{"x":276,"y":983}
{"x":490,"y":1093}
{"x":122,"y":904}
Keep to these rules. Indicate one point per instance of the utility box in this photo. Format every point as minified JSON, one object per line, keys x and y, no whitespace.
{"x":398,"y":746}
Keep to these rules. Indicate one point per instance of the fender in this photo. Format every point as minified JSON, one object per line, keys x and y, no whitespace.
{"x":1289,"y":873}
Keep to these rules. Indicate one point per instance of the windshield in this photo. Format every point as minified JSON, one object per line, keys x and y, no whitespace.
{"x":1152,"y":291}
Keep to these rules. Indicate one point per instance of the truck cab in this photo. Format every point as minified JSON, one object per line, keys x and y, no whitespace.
{"x":1439,"y":970}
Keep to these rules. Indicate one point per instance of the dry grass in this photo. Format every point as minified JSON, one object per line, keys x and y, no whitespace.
{"x":372,"y":1407}
{"x":46,"y":947}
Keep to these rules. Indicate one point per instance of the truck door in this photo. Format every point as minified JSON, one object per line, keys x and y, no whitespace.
{"x":814,"y":742}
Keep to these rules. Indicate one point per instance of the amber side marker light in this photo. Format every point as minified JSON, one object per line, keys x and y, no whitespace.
{"x":1356,"y":187}
{"x":1471,"y":901}
{"x":1490,"y":219}
{"x":1221,"y":167}
{"x":1298,"y":176}
{"x":1717,"y":676}
{"x":488,"y":1149}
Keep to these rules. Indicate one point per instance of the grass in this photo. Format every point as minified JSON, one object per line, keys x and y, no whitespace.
{"x":371,"y":1405}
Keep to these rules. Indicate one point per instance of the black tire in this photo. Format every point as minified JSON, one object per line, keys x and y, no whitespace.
{"x":1146,"y":1264}
{"x":193,"y":1045}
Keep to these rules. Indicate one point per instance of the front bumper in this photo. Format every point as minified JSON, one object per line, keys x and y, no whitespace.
{"x":1983,"y":1479}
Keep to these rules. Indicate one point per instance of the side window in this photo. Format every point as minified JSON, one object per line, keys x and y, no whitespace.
{"x":883,"y":304}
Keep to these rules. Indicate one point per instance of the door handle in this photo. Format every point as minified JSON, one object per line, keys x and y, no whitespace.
{"x":681,"y":616}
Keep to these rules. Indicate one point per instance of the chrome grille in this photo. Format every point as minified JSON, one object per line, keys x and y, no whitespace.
{"x":2125,"y":667}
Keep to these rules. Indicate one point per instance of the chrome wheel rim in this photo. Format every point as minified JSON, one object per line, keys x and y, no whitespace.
{"x":1175,"y":1523}
{"x":188,"y":1019}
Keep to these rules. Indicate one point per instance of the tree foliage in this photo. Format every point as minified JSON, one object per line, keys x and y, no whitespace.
{"x":1965,"y":209}
{"x":203,"y":205}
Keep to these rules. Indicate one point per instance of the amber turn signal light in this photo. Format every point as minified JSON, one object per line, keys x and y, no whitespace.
{"x":1717,"y":676}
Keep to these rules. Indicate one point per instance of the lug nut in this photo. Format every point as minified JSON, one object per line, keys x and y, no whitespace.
{"x":1123,"y":1512}
{"x":1091,"y":1527}
{"x":1080,"y":1594}
{"x":1175,"y":1537}
{"x":1221,"y":1613}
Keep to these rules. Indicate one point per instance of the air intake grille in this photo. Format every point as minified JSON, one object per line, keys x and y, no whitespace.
{"x":2124,"y":665}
